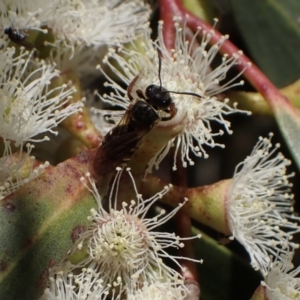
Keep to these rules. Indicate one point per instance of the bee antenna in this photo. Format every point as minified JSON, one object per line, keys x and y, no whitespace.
{"x":159,"y":68}
{"x":184,"y":93}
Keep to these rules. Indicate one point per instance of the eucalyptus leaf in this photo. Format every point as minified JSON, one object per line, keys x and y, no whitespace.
{"x":223,"y":275}
{"x":288,"y":119}
{"x":271,"y":32}
{"x":39,"y":224}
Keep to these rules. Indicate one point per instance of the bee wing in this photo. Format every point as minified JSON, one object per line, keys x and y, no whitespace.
{"x":119,"y":144}
{"x":117,"y":150}
{"x":122,"y":126}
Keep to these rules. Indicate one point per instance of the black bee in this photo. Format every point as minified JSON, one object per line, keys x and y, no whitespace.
{"x":142,"y":115}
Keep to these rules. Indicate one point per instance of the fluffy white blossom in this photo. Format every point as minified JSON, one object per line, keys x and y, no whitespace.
{"x":282,"y":281}
{"x":29,"y":104}
{"x":122,"y":242}
{"x":260,"y":206}
{"x":184,"y":69}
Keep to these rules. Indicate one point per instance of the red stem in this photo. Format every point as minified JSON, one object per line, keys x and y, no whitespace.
{"x":183,"y":225}
{"x":171,"y":8}
{"x":168,"y":9}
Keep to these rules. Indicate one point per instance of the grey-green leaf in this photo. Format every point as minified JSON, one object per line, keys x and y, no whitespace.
{"x":271,"y":32}
{"x":223,"y":275}
{"x":39,"y":223}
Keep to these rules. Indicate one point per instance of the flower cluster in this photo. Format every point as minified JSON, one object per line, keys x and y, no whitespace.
{"x":77,"y":22}
{"x":124,"y":254}
{"x":74,"y":34}
{"x":33,"y":98}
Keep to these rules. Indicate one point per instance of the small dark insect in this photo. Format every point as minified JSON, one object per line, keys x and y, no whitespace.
{"x":120,"y":143}
{"x":18,"y":37}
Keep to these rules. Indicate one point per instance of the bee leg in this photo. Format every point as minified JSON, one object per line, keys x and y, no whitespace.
{"x":130,"y":87}
{"x":172,"y":110}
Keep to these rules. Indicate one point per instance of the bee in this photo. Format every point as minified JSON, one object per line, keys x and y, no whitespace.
{"x":142,"y":115}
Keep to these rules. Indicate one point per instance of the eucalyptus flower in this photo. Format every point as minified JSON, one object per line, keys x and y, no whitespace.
{"x":259,"y":205}
{"x":122,"y":242}
{"x":186,"y":73}
{"x":29,"y":104}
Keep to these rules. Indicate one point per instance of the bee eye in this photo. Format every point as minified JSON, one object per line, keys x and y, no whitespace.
{"x":149,"y":90}
{"x":158,"y":96}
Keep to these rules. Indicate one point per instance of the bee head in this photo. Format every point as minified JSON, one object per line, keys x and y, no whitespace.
{"x":158,"y":96}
